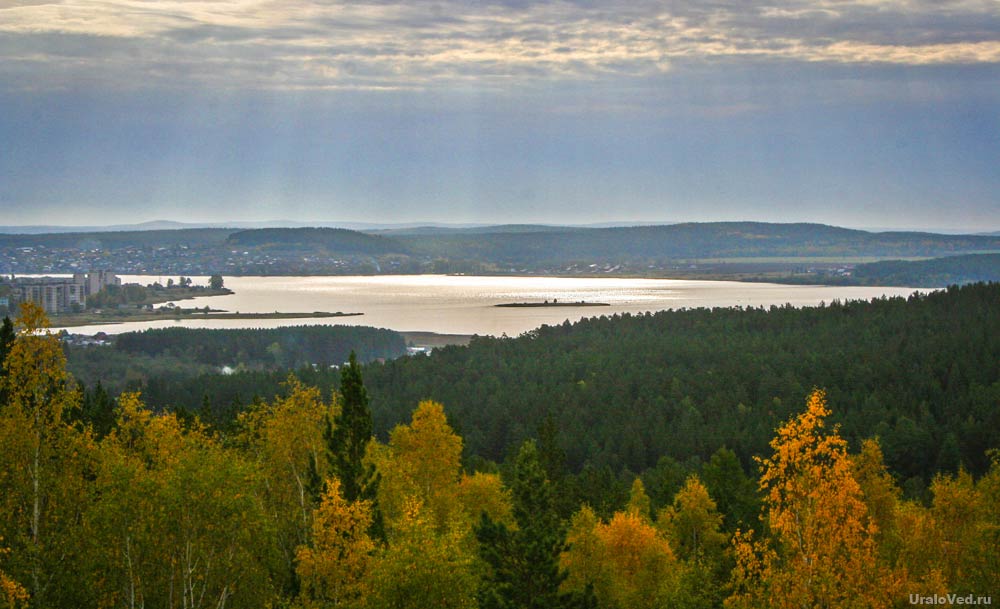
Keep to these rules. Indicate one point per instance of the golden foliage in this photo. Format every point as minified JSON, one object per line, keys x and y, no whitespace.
{"x":175,"y":519}
{"x":285,"y":438}
{"x":333,"y":567}
{"x":12,"y":594}
{"x":822,"y":549}
{"x":43,"y":458}
{"x":424,"y":461}
{"x":879,"y":490}
{"x":422,"y":568}
{"x":485,"y":493}
{"x":628,"y":563}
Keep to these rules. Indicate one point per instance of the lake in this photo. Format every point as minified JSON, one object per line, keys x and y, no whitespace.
{"x":465,"y":304}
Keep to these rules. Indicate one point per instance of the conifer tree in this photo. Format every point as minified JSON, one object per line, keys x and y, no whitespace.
{"x":524,"y":570}
{"x":347,"y":438}
{"x":7,"y":335}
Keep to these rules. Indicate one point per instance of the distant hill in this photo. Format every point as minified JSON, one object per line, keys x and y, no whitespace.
{"x":656,"y":250}
{"x":330,"y":240}
{"x":434,"y":230}
{"x":191,"y":237}
{"x":693,"y":241}
{"x":931,"y":273}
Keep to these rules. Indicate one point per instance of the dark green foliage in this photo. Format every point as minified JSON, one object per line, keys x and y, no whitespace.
{"x":97,"y":409}
{"x":7,"y":335}
{"x":329,"y":240}
{"x":167,"y":364}
{"x":113,"y":240}
{"x":216,"y":282}
{"x":347,"y":439}
{"x":735,"y":494}
{"x":630,"y":389}
{"x":934,"y":273}
{"x":280,"y":347}
{"x":560,"y":245}
{"x":523,"y":564}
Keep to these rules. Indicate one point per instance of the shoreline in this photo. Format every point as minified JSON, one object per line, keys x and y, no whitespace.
{"x":73,"y":321}
{"x":579,"y":303}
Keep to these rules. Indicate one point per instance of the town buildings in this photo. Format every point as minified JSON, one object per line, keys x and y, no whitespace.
{"x":59,"y":294}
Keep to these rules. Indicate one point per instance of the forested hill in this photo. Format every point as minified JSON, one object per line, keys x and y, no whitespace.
{"x":540,"y":243}
{"x":969,"y":268}
{"x":114,"y":240}
{"x":922,"y":373}
{"x":333,"y":240}
{"x":694,"y":240}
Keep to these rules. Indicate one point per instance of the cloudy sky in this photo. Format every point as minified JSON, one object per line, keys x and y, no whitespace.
{"x":853,"y":112}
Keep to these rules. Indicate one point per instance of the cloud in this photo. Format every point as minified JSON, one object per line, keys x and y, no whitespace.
{"x":299,"y":44}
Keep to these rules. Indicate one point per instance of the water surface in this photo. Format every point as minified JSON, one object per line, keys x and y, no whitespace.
{"x":465,"y":304}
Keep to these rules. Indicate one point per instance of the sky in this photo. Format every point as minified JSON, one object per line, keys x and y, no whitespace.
{"x":861,"y":113}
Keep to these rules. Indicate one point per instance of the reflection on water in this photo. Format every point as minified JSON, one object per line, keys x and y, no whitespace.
{"x":464,"y":304}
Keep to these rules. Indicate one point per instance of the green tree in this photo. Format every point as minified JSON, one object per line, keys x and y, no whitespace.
{"x":216,"y":282}
{"x":7,"y":336}
{"x":692,"y":523}
{"x":523,"y":563}
{"x":347,"y":438}
{"x":734,"y":492}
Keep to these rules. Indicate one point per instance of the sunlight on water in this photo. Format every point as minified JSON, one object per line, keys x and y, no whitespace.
{"x":465,"y":304}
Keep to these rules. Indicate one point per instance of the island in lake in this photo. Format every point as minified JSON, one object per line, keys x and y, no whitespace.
{"x":554,"y":303}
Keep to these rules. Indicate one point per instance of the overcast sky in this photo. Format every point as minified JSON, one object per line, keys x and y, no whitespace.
{"x":858,"y":113}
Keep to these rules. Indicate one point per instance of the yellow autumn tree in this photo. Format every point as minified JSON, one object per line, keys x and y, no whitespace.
{"x":583,"y":559}
{"x":965,"y":531}
{"x":285,"y":439}
{"x":175,"y":523}
{"x":879,"y":492}
{"x":12,"y":594}
{"x":332,"y":568}
{"x":43,"y":465}
{"x":430,"y":508}
{"x":626,"y":560}
{"x":822,"y":550}
{"x":423,"y":462}
{"x":482,"y":492}
{"x":422,"y":567}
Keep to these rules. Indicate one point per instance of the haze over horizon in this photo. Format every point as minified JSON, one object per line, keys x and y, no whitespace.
{"x":850,"y":113}
{"x":162,"y":224}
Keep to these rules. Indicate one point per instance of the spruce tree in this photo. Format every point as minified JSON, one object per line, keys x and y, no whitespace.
{"x":7,"y":336}
{"x":523,"y":564}
{"x":347,"y":438}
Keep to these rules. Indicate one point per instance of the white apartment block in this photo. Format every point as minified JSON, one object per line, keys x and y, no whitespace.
{"x":58,"y":294}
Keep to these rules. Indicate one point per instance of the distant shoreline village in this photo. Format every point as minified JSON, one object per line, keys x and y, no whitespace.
{"x":56,"y":294}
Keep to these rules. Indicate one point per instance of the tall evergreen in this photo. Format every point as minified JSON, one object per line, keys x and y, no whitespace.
{"x":523,"y":564}
{"x":347,"y":437}
{"x":7,"y":335}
